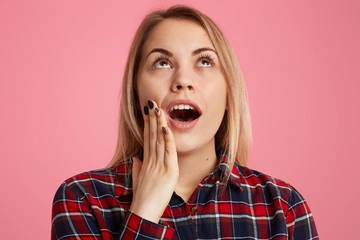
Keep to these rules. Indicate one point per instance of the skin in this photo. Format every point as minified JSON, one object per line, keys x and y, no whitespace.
{"x":186,"y":68}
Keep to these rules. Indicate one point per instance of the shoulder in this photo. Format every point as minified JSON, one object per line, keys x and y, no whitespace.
{"x":114,"y":180}
{"x":269,"y":187}
{"x":275,"y":199}
{"x":253,"y":178}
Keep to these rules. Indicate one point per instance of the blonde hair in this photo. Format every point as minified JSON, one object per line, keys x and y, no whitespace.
{"x":234,"y":133}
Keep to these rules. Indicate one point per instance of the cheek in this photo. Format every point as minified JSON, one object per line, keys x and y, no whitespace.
{"x":142,"y":94}
{"x":216,"y":93}
{"x":150,"y":90}
{"x":144,"y":89}
{"x":216,"y":101}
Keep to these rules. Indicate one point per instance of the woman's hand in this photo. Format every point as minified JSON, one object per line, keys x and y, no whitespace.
{"x":155,"y":178}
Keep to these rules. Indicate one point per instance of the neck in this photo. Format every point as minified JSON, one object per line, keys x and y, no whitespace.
{"x":193,"y":167}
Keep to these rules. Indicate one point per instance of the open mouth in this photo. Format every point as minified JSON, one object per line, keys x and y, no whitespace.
{"x":183,"y":113}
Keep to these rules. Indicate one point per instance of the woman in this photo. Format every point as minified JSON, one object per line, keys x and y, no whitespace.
{"x":179,"y":168}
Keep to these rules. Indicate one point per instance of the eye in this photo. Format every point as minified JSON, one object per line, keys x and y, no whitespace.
{"x":205,"y":61}
{"x":161,"y":62}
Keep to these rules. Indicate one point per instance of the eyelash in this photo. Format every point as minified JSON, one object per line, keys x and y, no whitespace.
{"x":201,"y":57}
{"x":158,"y":59}
{"x":207,"y":57}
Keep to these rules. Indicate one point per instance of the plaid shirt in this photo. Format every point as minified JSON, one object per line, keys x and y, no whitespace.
{"x":95,"y":205}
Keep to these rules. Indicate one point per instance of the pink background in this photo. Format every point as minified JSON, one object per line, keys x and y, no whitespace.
{"x":61,"y":66}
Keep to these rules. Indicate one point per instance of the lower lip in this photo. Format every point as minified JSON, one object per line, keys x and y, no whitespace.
{"x":182,"y":125}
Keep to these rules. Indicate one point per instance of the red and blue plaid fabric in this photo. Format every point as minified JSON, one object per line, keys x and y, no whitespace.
{"x":95,"y":205}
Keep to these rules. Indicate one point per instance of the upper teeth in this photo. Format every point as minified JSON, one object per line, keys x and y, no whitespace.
{"x":181,"y":107}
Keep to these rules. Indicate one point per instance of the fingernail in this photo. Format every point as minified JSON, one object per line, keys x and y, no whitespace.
{"x":157,"y":111}
{"x":151,"y":104}
{"x":164,"y":130}
{"x":146,"y":110}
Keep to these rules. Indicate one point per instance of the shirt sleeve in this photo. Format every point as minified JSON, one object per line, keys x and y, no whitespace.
{"x":72,"y":218}
{"x":135,"y":227}
{"x":299,"y":219}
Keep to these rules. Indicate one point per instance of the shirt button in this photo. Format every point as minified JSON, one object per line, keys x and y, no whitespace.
{"x":194,"y":209}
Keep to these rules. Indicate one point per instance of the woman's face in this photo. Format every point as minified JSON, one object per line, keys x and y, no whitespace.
{"x":180,"y":71}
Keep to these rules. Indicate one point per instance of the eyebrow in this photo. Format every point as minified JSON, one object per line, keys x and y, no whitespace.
{"x":200,"y":50}
{"x":169,"y":54}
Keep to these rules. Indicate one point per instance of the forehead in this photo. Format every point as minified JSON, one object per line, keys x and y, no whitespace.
{"x":178,"y":34}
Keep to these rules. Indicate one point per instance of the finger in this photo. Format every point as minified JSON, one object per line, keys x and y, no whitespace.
{"x":152,"y":130}
{"x":170,"y":159}
{"x":160,"y":142}
{"x":136,"y":167}
{"x":146,"y":132}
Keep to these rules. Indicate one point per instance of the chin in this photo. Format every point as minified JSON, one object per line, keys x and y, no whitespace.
{"x":185,"y":147}
{"x":191,"y":144}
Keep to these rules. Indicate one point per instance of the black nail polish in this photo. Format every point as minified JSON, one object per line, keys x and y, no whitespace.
{"x":164,"y":129}
{"x":157,"y":110}
{"x":151,"y":104}
{"x":146,"y":110}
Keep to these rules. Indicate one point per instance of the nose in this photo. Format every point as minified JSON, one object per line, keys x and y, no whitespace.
{"x":183,"y":81}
